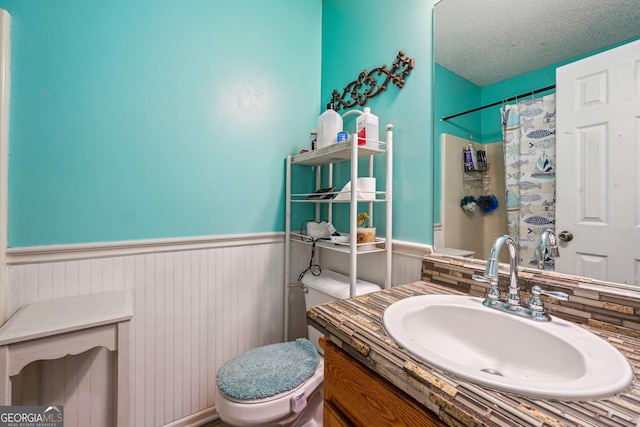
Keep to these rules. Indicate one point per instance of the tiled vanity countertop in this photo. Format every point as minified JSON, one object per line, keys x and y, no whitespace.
{"x":357,"y":324}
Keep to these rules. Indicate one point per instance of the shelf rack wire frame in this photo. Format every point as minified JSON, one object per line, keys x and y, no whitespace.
{"x":388,"y":244}
{"x":287,"y":246}
{"x":353,"y":217}
{"x":353,"y":214}
{"x":353,"y":220}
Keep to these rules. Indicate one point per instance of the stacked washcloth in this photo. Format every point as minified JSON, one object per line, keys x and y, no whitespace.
{"x":267,"y":371}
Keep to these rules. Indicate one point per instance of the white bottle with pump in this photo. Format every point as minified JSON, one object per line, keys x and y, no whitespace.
{"x":329,"y":124}
{"x":367,"y":129}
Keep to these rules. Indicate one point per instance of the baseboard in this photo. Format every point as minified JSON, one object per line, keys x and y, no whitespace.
{"x":196,"y":420}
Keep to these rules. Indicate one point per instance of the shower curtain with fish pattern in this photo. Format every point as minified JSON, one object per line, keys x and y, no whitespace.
{"x":529,"y":136}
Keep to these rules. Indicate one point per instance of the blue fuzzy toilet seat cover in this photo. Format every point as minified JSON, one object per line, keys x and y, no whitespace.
{"x":267,"y":371}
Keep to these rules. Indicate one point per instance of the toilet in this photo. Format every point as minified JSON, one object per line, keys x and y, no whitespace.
{"x":282,"y":384}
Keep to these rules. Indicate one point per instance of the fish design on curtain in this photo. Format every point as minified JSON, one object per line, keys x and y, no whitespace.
{"x":529,"y":136}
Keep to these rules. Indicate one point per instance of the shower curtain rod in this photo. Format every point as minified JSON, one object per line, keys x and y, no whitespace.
{"x":513,"y":98}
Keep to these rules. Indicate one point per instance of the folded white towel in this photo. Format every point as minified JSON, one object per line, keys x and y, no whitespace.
{"x":337,"y":285}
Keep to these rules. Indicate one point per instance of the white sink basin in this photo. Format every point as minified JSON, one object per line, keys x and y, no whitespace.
{"x":556,"y":360}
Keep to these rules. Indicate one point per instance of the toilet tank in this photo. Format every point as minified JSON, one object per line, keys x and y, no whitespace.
{"x":330,"y":286}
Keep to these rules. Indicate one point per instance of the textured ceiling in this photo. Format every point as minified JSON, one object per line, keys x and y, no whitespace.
{"x":487,"y":41}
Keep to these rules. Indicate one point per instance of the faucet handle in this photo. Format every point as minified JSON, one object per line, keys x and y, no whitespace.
{"x":536,"y":305}
{"x":553,"y":294}
{"x":480,"y":278}
{"x":493,"y":295}
{"x":536,"y":291}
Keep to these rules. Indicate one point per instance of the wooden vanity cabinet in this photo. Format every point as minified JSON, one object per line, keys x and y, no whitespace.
{"x":356,"y":396}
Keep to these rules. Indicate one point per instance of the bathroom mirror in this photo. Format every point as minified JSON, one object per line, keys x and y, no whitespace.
{"x":489,"y":44}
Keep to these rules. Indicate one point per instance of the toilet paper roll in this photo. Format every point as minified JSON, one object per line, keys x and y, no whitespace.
{"x":366,"y":188}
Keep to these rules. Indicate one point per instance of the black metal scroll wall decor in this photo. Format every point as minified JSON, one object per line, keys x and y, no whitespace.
{"x":367,"y":84}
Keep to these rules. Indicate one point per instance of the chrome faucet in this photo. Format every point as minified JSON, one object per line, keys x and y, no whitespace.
{"x":512,"y":304}
{"x":491,"y":275}
{"x":547,"y":242}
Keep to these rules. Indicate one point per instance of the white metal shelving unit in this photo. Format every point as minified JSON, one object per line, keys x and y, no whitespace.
{"x":327,"y":156}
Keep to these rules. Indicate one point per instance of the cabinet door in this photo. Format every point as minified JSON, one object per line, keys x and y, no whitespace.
{"x":366,"y":399}
{"x":333,"y":417}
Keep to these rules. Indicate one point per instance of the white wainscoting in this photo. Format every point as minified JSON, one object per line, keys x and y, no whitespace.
{"x":197,"y":302}
{"x":193,"y":310}
{"x":438,"y":240}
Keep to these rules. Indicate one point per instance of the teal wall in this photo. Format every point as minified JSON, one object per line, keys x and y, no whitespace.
{"x":155,"y":119}
{"x":364,"y":34}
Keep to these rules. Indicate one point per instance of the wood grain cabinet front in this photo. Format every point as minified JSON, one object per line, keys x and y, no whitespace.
{"x":356,"y":396}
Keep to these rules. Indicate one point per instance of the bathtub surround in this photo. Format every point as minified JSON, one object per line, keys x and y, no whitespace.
{"x":460,"y":229}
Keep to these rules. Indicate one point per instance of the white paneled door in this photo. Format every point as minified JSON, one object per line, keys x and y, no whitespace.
{"x":598,"y":158}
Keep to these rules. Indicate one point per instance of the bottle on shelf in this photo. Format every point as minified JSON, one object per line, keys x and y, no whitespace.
{"x":329,"y":124}
{"x":313,"y":140}
{"x":367,"y":129}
